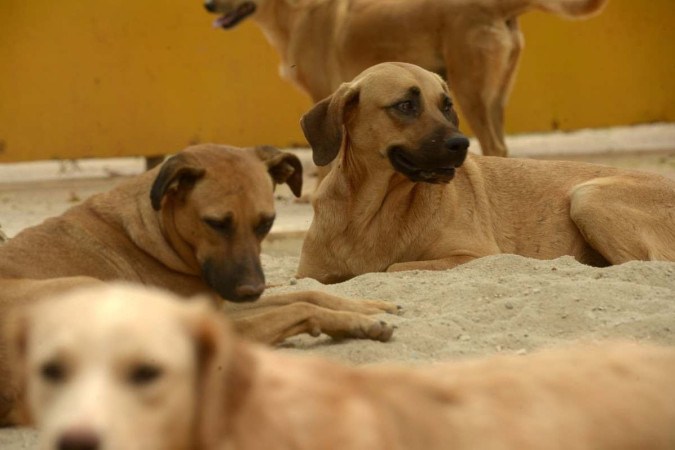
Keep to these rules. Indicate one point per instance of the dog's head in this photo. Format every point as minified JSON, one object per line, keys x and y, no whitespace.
{"x":144,"y":371}
{"x":393,"y":114}
{"x":231,"y":12}
{"x":217,"y":205}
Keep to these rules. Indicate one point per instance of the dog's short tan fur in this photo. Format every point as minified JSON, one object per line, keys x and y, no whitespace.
{"x":476,"y":43}
{"x":371,"y":217}
{"x":158,"y":229}
{"x":146,"y":371}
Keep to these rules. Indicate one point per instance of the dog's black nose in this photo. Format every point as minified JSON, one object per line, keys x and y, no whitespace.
{"x":210,"y":6}
{"x":457,"y":144}
{"x":79,"y":440}
{"x":249,"y":292}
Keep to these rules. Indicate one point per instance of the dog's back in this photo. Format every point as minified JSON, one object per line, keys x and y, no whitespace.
{"x":610,"y":396}
{"x":595,"y":397}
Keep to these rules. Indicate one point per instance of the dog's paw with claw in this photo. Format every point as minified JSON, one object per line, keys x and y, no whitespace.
{"x":379,"y":307}
{"x":380,"y":331}
{"x":376,"y":330}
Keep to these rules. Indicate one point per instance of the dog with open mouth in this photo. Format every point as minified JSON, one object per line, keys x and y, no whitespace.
{"x":403,"y":193}
{"x":232,"y":17}
{"x":474,"y":44}
{"x":427,"y":164}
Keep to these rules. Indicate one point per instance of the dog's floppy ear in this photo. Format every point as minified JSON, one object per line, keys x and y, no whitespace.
{"x":283,"y":167}
{"x":225,"y":370}
{"x":178,"y":170}
{"x":323,"y":124}
{"x":13,"y":409}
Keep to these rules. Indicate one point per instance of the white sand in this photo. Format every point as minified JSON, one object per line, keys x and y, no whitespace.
{"x":502,"y":303}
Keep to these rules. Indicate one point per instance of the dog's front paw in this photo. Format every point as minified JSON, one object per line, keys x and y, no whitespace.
{"x":355,"y":326}
{"x":379,"y":307}
{"x":380,"y":331}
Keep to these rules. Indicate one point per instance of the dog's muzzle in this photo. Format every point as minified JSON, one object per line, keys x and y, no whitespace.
{"x":235,"y":282}
{"x":427,"y":166}
{"x":232,"y":18}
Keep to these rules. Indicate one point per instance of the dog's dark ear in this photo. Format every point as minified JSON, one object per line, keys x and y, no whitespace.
{"x":13,"y":404}
{"x":177,"y":171}
{"x":323,"y":125}
{"x":283,"y":167}
{"x":225,"y":369}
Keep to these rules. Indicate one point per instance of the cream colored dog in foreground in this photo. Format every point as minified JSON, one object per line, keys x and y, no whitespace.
{"x":146,"y":371}
{"x":403,"y":194}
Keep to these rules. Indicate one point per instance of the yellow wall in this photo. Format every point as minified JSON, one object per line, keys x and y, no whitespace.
{"x":615,"y":69}
{"x":137,"y":77}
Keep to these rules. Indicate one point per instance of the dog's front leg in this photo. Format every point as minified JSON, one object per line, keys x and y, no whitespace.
{"x":325,"y":300}
{"x":432,"y":264}
{"x":272,"y":325}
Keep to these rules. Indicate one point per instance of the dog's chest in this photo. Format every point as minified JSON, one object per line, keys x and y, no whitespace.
{"x":374,"y":245}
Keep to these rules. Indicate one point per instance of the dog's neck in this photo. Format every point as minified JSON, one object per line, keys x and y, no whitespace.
{"x":365,"y":191}
{"x":175,"y":241}
{"x":141,"y":223}
{"x":277,"y":20}
{"x":274,"y":17}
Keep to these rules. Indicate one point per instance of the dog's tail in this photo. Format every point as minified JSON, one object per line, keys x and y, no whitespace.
{"x":572,"y":9}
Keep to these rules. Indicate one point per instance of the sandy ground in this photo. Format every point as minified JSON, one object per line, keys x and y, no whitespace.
{"x":503,"y":303}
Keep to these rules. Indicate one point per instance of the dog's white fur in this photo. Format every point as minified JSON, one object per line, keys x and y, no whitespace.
{"x":100,"y":339}
{"x":213,"y":391}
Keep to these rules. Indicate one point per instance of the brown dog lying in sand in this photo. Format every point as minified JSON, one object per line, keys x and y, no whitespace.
{"x":403,"y":194}
{"x":149,"y":372}
{"x":192,"y":226}
{"x":476,"y":44}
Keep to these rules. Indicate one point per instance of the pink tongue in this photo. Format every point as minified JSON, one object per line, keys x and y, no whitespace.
{"x":221,"y":21}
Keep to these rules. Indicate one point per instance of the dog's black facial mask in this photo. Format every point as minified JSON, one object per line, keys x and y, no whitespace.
{"x":232,"y":18}
{"x":236,"y":280}
{"x":235,"y":271}
{"x":434,"y":161}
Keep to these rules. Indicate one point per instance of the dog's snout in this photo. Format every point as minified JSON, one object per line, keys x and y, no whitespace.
{"x":457,"y":144}
{"x":210,"y":5}
{"x":249,"y":292}
{"x":79,"y":440}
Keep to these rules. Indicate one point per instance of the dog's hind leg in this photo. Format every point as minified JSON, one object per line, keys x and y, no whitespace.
{"x":481,"y":62}
{"x":627,"y":218}
{"x":273,"y":325}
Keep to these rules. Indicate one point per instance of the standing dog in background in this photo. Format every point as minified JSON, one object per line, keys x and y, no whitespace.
{"x":403,"y":194}
{"x":475,"y":44}
{"x":147,"y":371}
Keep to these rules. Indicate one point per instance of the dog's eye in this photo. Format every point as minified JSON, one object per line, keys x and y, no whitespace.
{"x":406,"y":107}
{"x":144,"y":374}
{"x":220,"y":225}
{"x":264,"y":227}
{"x":447,"y":105}
{"x":53,"y":372}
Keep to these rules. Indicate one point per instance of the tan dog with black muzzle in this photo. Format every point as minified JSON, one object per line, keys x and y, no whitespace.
{"x":193,"y":226}
{"x":403,"y":194}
